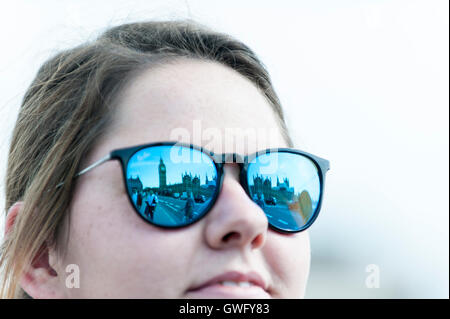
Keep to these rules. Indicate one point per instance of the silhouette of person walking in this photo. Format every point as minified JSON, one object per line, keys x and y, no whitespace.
{"x":260,"y":200}
{"x":139,"y":200}
{"x":189,"y":208}
{"x":151,"y":202}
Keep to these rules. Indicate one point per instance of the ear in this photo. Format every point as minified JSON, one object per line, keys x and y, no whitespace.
{"x":39,"y":279}
{"x":11,"y":216}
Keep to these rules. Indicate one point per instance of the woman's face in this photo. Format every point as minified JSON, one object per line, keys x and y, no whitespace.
{"x":121,"y":256}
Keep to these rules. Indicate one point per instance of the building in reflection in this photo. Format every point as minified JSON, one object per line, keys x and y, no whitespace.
{"x":263,"y":185}
{"x":189,"y":184}
{"x":209,"y":183}
{"x":162,"y":175}
{"x":135,"y":184}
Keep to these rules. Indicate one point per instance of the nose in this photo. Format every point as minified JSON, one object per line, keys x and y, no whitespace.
{"x":235,"y":220}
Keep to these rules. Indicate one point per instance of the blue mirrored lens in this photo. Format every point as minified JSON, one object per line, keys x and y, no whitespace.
{"x":287,"y":187}
{"x":171,"y":186}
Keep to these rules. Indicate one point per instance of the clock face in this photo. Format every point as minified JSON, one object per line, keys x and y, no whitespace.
{"x":163,"y":168}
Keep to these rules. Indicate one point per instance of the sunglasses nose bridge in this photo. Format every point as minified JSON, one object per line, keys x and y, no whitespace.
{"x":224,"y":158}
{"x":232,"y":158}
{"x":240,"y":160}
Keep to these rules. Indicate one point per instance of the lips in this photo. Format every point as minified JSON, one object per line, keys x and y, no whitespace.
{"x":232,"y":284}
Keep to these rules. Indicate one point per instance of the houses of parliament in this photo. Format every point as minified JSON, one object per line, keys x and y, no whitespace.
{"x":263,"y":185}
{"x":188,"y":184}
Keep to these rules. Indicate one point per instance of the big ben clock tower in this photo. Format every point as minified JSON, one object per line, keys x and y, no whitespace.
{"x":162,"y":174}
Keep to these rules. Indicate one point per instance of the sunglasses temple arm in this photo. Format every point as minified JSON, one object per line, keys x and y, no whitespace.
{"x":99,"y":162}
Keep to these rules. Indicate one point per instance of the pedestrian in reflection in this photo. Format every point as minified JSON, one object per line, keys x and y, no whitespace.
{"x":134,"y":196}
{"x":151,"y":202}
{"x":189,"y":208}
{"x":260,"y":200}
{"x":139,"y":200}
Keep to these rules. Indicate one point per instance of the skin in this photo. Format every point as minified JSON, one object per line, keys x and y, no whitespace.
{"x":121,"y":256}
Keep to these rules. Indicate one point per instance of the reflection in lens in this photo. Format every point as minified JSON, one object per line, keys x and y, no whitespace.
{"x":288,"y":194}
{"x":167,"y":191}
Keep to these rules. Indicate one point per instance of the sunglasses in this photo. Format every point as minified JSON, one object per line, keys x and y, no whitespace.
{"x":172,"y":184}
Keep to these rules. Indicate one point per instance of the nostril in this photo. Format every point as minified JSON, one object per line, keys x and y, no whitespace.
{"x":231,"y":236}
{"x":258,"y":241}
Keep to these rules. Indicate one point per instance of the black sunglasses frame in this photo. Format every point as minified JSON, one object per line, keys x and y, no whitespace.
{"x":124,"y":155}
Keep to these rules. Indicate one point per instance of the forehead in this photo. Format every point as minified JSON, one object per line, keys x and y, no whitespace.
{"x":198,"y":102}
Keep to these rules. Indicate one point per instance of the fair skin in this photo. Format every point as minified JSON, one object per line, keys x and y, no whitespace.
{"x":120,"y":255}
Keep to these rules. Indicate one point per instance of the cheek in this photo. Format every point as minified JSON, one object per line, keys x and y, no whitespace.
{"x":289,"y":258}
{"x":118,"y":253}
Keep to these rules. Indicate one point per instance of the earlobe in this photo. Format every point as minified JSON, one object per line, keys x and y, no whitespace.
{"x":39,"y":279}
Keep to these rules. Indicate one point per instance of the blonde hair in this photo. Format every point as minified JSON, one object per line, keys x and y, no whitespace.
{"x":68,"y":107}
